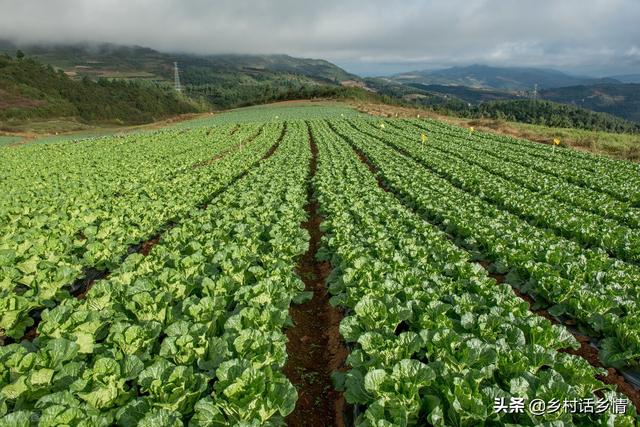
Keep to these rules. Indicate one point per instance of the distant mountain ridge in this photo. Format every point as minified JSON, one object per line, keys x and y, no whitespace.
{"x":233,"y":80}
{"x":627,"y":78}
{"x":110,"y":60}
{"x":622,"y":99}
{"x":223,"y":81}
{"x":502,"y":78}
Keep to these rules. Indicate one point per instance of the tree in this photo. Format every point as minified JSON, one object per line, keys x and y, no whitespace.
{"x":19,"y":54}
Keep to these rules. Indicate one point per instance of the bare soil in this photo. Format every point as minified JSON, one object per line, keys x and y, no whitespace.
{"x":315,"y":347}
{"x":90,"y":276}
{"x":9,"y":100}
{"x":148,"y":245}
{"x":590,"y":354}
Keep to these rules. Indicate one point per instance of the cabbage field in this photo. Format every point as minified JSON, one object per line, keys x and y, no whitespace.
{"x":316,"y":266}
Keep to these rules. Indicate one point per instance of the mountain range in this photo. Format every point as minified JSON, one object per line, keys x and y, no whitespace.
{"x":504,"y":78}
{"x":229,"y":80}
{"x":136,"y":62}
{"x":627,"y":78}
{"x":475,"y":84}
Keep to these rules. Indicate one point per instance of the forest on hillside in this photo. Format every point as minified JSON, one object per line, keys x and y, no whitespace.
{"x":31,"y":90}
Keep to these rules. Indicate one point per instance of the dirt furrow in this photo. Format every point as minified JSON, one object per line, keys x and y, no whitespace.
{"x":315,"y":348}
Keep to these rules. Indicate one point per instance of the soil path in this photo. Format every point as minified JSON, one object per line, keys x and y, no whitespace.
{"x":315,"y":347}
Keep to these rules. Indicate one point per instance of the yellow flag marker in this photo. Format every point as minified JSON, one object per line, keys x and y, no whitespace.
{"x":381,"y":125}
{"x":471,"y":129}
{"x":418,"y":116}
{"x":423,"y":137}
{"x":556,"y":141}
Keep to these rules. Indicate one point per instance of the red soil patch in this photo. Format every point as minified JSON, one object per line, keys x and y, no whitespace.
{"x":315,"y":347}
{"x":9,"y":100}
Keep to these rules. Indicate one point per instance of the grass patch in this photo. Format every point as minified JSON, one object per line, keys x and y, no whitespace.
{"x":617,"y":145}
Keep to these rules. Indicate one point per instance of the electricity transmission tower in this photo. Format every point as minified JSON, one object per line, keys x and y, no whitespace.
{"x":535,"y":91}
{"x":176,"y":78}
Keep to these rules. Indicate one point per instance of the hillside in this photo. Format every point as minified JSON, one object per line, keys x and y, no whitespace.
{"x":621,"y":100}
{"x":479,"y":103}
{"x":477,"y":84}
{"x":504,"y":78}
{"x":542,"y":112}
{"x":627,"y":78}
{"x":408,"y":93}
{"x":30,"y":90}
{"x":229,"y":81}
{"x":222,"y":80}
{"x":467,"y":94}
{"x":110,"y":60}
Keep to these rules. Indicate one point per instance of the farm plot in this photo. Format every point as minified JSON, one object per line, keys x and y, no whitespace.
{"x":191,"y":332}
{"x":436,"y":340}
{"x":337,"y":270}
{"x":586,"y":284}
{"x":70,"y":213}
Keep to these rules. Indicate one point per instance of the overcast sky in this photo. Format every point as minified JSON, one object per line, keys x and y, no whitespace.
{"x":368,"y":37}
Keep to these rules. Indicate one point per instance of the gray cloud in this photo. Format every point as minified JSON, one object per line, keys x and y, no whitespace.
{"x":588,"y":36}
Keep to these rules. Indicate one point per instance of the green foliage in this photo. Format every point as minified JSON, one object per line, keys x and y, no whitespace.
{"x":542,"y":113}
{"x":222,"y":81}
{"x":193,"y":332}
{"x":435,"y":340}
{"x":37,"y":92}
{"x":622,"y":100}
{"x":235,"y":93}
{"x":81,"y":221}
{"x":275,"y":113}
{"x":561,"y":254}
{"x":6,"y":140}
{"x":554,"y":115}
{"x":619,"y":101}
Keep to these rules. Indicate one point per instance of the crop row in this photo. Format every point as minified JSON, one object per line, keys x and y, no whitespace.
{"x":39,"y":260}
{"x":191,"y":333}
{"x":542,"y":210}
{"x":435,"y":341}
{"x":616,"y":178}
{"x":585,"y":160}
{"x":548,"y":185}
{"x":587,"y":285}
{"x":42,"y":180}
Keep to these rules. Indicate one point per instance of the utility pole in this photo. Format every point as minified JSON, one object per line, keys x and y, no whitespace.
{"x":176,"y":78}
{"x":535,"y":91}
